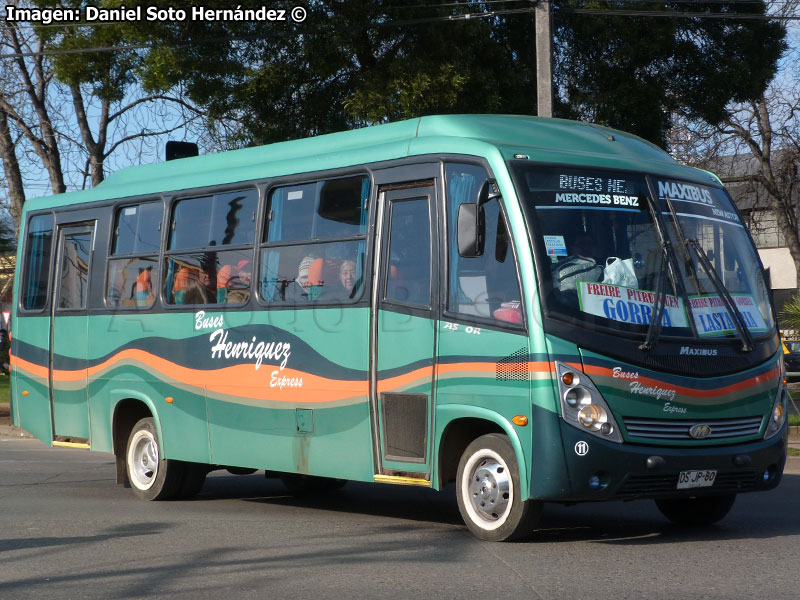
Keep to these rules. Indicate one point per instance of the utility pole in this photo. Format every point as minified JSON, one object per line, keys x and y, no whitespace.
{"x":544,"y":58}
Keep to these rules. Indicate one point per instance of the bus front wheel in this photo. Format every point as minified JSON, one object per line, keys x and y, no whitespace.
{"x":152,"y":476}
{"x":701,"y":510}
{"x":488,"y":491}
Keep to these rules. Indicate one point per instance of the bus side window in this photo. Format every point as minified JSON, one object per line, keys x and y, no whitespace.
{"x":300,"y":263}
{"x":133,"y":266}
{"x":485,"y":286}
{"x":210,"y":253}
{"x":36,"y":268}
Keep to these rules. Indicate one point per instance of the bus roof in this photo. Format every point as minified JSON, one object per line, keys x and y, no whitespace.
{"x":542,"y":139}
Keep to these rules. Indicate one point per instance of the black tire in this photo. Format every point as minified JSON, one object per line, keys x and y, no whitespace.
{"x":700,"y":510}
{"x":309,"y":484}
{"x":151,"y":476}
{"x":194,"y":476}
{"x":488,"y":491}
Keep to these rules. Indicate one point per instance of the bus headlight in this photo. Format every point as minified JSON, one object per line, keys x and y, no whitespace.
{"x":582,"y":405}
{"x":777,"y":416}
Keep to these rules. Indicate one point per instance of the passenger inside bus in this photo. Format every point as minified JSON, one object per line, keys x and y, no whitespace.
{"x":233,"y":282}
{"x":347,"y":278}
{"x":297,"y":290}
{"x":191,"y":286}
{"x":143,"y":287}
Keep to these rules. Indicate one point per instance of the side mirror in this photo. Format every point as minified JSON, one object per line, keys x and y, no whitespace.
{"x":471,"y":230}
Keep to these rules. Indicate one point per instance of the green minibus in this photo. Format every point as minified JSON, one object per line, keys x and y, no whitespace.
{"x":535,"y":310}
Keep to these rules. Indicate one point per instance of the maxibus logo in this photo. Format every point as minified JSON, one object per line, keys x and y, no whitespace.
{"x":684,"y":191}
{"x":689,"y":351}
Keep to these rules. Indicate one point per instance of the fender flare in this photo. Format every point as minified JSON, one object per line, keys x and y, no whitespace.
{"x":118,"y":395}
{"x":447,"y":413}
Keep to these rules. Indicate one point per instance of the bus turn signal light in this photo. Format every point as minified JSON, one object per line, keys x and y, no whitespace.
{"x":168,"y":400}
{"x":520,"y":420}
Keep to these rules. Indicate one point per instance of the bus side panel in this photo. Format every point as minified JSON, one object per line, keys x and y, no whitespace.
{"x":31,"y":358}
{"x":71,"y":403}
{"x":486,"y":368}
{"x":134,"y":356}
{"x":304,"y":408}
{"x":269,"y":438}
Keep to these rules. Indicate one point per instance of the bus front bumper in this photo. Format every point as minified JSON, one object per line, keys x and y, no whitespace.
{"x":601,"y":470}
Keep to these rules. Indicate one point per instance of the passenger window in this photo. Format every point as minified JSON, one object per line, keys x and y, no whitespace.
{"x":218,"y":220}
{"x":303,"y":273}
{"x":408,"y":278}
{"x":485,"y":286}
{"x":315,"y":243}
{"x":209,"y":277}
{"x":138,"y":229}
{"x":334,"y":208}
{"x":36,"y":268}
{"x":132,"y":275}
{"x":220,"y":229}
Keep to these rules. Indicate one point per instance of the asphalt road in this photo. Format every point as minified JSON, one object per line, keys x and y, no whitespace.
{"x":67,"y":531}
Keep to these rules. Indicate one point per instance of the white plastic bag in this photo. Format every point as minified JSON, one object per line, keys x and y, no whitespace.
{"x":620,"y":271}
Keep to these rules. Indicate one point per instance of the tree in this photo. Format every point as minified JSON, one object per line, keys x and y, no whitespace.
{"x":360,"y":62}
{"x":66,"y":114}
{"x":755,"y":145}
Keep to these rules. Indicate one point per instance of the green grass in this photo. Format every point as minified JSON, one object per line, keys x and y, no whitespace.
{"x":793,"y":451}
{"x":794,"y":419}
{"x":5,"y":388}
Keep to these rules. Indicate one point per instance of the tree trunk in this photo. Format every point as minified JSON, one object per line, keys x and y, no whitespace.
{"x":16,"y":190}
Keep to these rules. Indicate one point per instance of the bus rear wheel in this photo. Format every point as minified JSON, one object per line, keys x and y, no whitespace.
{"x":151,"y":476}
{"x":194,"y":476}
{"x":488,"y":491}
{"x":700,"y":510}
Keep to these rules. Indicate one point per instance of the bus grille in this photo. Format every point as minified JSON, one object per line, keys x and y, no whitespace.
{"x":696,"y":365}
{"x":670,"y":429}
{"x":649,"y":486}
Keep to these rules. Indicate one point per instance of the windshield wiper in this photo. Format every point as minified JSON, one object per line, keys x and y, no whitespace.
{"x":654,"y":328}
{"x":730,"y":304}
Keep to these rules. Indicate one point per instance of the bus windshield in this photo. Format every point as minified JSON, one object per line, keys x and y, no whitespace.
{"x":602,"y":258}
{"x":713,"y":243}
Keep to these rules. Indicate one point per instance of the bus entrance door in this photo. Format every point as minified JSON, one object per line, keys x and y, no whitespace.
{"x":69,"y":333}
{"x":404,"y":331}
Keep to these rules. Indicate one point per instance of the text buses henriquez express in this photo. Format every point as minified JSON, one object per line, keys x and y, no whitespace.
{"x":538,"y":310}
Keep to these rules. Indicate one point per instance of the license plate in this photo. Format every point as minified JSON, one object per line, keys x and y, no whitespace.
{"x":696,"y":479}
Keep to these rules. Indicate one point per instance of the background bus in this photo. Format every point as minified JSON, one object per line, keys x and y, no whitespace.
{"x":538,"y":310}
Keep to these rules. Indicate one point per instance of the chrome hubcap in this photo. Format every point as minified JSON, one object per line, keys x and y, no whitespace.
{"x":489,"y":489}
{"x":145,"y":461}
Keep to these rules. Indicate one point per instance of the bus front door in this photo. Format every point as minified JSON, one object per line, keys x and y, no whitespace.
{"x":69,"y":333}
{"x":405,"y":296}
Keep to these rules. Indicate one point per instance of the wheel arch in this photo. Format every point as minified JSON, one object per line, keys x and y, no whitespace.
{"x":459,"y":426}
{"x":127,"y":408}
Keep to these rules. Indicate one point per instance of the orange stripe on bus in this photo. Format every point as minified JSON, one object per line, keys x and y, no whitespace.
{"x":31,"y":368}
